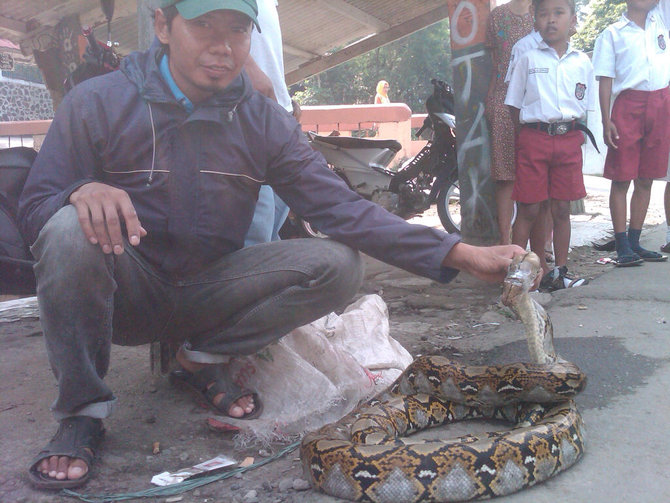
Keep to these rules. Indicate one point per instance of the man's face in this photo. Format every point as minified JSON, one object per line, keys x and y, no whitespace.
{"x":206,"y":53}
{"x":554,"y":20}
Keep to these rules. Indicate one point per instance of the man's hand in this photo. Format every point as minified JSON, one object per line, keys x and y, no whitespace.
{"x":610,"y":134}
{"x":100,"y":209}
{"x":489,"y":263}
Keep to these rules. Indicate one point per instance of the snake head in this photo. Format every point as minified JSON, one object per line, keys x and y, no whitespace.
{"x":520,"y":277}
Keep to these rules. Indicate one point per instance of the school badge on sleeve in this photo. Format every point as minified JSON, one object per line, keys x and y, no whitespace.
{"x":580,"y":90}
{"x":661,"y":42}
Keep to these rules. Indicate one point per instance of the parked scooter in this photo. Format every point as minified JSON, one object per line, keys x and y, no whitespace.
{"x":16,"y":261}
{"x":430,"y":177}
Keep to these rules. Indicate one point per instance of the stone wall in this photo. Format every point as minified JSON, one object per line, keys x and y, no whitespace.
{"x":21,"y":101}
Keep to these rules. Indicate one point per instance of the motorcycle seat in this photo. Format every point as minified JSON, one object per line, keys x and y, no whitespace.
{"x":349,"y":142}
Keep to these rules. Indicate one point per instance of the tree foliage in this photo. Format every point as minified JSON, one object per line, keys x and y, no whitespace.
{"x":601,"y":14}
{"x":407,"y":64}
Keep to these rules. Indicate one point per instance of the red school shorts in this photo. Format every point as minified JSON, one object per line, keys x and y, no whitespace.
{"x":642,"y":119}
{"x":548,"y":166}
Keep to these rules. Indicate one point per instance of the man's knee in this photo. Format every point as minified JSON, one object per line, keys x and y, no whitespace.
{"x":62,"y":240}
{"x":345,"y":265}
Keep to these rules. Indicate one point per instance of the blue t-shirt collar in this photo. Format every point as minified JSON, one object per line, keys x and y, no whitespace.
{"x":178,"y":94}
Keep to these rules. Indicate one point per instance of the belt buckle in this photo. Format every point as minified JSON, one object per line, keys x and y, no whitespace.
{"x":558,"y":128}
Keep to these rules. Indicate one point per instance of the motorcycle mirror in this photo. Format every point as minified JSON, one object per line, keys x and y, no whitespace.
{"x":108,"y":10}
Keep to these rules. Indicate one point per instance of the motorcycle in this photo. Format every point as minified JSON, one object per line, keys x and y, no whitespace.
{"x":430,"y":177}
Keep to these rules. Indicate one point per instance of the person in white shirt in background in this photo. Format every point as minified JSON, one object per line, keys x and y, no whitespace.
{"x":632,"y":61}
{"x":266,"y":56}
{"x":551,"y":89}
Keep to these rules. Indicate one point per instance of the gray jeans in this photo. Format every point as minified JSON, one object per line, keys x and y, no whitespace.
{"x":243,"y":302}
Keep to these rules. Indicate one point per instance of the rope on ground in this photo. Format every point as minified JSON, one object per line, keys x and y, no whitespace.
{"x":180,"y":487}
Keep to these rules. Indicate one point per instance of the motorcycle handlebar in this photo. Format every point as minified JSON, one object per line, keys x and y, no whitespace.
{"x":87,"y":31}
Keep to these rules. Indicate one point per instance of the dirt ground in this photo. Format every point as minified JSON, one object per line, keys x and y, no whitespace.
{"x":456,"y":320}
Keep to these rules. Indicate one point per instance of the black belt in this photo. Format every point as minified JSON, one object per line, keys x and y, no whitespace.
{"x":559,"y":128}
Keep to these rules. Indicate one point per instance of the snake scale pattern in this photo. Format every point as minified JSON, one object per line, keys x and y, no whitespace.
{"x":366,"y":456}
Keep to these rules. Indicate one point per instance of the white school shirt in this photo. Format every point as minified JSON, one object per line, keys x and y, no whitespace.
{"x":267,"y":50}
{"x":547,"y":88}
{"x":635,"y":58}
{"x":530,"y":41}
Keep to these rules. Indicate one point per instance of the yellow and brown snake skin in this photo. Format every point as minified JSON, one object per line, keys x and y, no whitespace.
{"x":366,"y":457}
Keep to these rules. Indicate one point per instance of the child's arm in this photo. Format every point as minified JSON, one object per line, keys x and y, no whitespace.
{"x":514,"y":112}
{"x":517,"y":90}
{"x":610,"y":134}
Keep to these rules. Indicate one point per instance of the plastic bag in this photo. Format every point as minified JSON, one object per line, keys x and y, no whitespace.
{"x":319,"y":372}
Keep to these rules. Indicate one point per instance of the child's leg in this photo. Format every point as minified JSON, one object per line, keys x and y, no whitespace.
{"x":638,"y":211}
{"x":560,"y":211}
{"x":526,"y":217}
{"x":666,"y":204}
{"x":538,"y":234}
{"x":618,"y":206}
{"x":639,"y":202}
{"x":549,"y":232}
{"x":505,"y":207}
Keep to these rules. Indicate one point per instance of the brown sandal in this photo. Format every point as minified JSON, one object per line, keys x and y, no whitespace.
{"x":200,"y":383}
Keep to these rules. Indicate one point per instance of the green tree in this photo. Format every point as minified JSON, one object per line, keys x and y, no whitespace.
{"x":407,"y":64}
{"x":601,"y":14}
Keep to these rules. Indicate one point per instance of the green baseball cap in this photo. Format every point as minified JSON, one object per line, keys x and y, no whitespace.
{"x":190,"y":9}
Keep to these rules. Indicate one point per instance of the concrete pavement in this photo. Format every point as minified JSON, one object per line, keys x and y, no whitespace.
{"x":617,"y":329}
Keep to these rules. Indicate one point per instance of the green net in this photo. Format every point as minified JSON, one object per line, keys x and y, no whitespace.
{"x":181,"y":487}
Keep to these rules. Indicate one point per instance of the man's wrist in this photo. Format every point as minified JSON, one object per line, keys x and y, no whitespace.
{"x":457,"y":256}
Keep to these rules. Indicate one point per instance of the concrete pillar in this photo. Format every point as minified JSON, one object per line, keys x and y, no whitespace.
{"x":145,"y":22}
{"x":472,"y":70}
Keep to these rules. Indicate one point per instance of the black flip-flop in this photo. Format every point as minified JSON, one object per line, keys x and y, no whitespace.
{"x":651,"y":256}
{"x":77,"y":437}
{"x":628,"y":260}
{"x":198,"y":382}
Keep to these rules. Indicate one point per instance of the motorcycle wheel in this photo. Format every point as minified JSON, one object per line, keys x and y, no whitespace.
{"x":449,"y":207}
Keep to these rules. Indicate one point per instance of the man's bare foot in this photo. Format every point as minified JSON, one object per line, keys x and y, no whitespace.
{"x":241,"y":407}
{"x":63,"y":467}
{"x":66,"y":460}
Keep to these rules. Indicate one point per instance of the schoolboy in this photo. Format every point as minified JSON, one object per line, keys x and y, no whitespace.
{"x":632,"y":61}
{"x":550,"y":91}
{"x":531,"y":41}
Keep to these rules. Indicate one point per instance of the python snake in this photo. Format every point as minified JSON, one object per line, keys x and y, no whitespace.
{"x":365,"y":457}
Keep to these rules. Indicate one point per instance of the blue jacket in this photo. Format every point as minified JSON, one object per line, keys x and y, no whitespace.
{"x":194,"y":179}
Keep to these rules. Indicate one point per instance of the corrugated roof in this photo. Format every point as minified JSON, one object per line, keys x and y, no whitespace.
{"x":312,"y":29}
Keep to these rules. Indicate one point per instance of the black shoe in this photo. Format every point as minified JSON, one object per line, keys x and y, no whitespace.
{"x":558,"y":278}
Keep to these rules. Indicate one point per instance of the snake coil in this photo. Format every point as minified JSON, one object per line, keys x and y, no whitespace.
{"x":366,"y":457}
